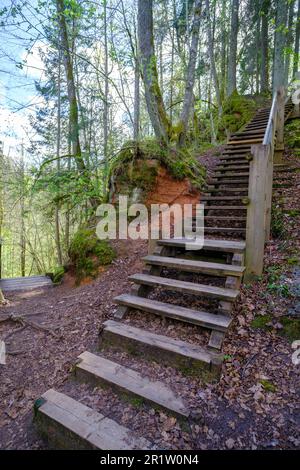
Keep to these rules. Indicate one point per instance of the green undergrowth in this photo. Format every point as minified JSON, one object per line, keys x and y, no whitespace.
{"x":58,"y":275}
{"x":278,"y":225}
{"x":137,"y":164}
{"x":292,"y":136}
{"x":87,"y":253}
{"x":237,"y":111}
{"x":290,"y":327}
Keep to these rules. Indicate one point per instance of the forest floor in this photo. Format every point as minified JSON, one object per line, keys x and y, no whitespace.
{"x":255,"y":405}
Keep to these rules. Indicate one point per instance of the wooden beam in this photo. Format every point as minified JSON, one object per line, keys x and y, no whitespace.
{"x":256,"y":219}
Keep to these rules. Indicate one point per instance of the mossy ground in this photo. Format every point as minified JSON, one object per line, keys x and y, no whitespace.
{"x":292,"y":136}
{"x":237,"y":111}
{"x":290,"y":326}
{"x":87,"y":253}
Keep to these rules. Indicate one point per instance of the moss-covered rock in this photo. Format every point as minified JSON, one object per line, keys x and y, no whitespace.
{"x":87,"y":253}
{"x":137,"y":166}
{"x":237,"y":111}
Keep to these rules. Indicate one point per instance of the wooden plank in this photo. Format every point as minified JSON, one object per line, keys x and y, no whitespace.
{"x":230,"y":174}
{"x":222,"y":198}
{"x":103,"y":371}
{"x":225,"y":208}
{"x":255,"y":236}
{"x":212,"y":245}
{"x":224,"y":229}
{"x":216,"y":340}
{"x":213,"y":217}
{"x":69,"y":424}
{"x":246,"y":141}
{"x":219,"y":182}
{"x":216,"y":269}
{"x":228,"y":190}
{"x":190,"y":357}
{"x":231,"y":167}
{"x":196,"y":317}
{"x":187,"y":287}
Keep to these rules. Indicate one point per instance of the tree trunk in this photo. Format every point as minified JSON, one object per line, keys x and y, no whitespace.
{"x":22,"y":204}
{"x":297,"y":43}
{"x":57,"y":230}
{"x":212,"y":58}
{"x":106,"y":91}
{"x":289,"y":42}
{"x":264,"y":71}
{"x":190,"y":75}
{"x":74,"y":124}
{"x":223,"y":51}
{"x":231,"y":85}
{"x":148,"y":63}
{"x":279,"y":43}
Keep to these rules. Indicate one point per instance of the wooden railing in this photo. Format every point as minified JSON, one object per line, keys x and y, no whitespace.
{"x":261,"y":185}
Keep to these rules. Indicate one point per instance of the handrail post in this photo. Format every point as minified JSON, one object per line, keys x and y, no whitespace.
{"x":258,"y":193}
{"x":280,"y":125}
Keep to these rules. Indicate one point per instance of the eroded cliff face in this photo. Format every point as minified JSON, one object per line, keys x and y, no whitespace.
{"x":170,"y":191}
{"x":159,"y":187}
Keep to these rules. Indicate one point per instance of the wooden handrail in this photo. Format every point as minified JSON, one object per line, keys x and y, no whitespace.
{"x":272,"y":117}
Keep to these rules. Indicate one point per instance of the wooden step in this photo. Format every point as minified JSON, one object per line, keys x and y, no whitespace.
{"x":225,"y":208}
{"x":193,"y":359}
{"x":187,"y":315}
{"x":224,"y":229}
{"x":228,"y":162}
{"x":228,"y":190}
{"x":256,"y":127}
{"x":226,"y":246}
{"x":68,"y":424}
{"x":202,"y":290}
{"x":101,"y":371}
{"x":231,"y":174}
{"x":219,"y":182}
{"x":215,"y":269}
{"x":213,"y":217}
{"x":245,"y":141}
{"x":222,"y":198}
{"x":245,"y":166}
{"x":231,"y":153}
{"x":247,"y":133}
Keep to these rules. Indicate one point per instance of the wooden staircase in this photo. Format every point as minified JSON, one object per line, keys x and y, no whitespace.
{"x":212,"y":274}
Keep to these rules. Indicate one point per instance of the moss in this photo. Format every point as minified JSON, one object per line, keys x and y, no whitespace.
{"x":237,"y":111}
{"x":268,"y":386}
{"x":291,"y":328}
{"x":87,"y":253}
{"x":294,"y":260}
{"x":292,"y":135}
{"x":58,"y":274}
{"x":261,"y":322}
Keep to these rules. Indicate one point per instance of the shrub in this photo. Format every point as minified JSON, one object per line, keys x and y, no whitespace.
{"x":87,"y":253}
